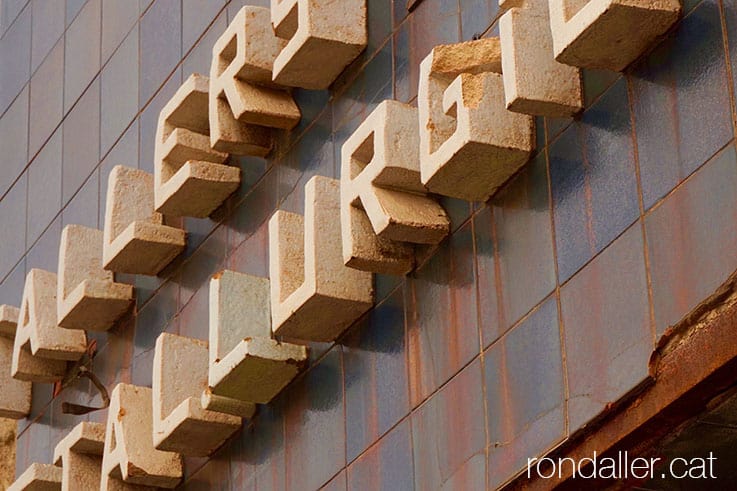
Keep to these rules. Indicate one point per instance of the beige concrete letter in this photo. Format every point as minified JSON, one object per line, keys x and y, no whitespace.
{"x":136,"y":241}
{"x":129,"y":456}
{"x":384,"y":206}
{"x":42,"y":348}
{"x":15,"y":397}
{"x":180,"y":424}
{"x":324,"y":37}
{"x":190,"y":178}
{"x":470,"y":144}
{"x":608,"y":33}
{"x":38,"y":477}
{"x":247,"y":366}
{"x":314,"y":295}
{"x":79,"y":455}
{"x":244,"y":103}
{"x":87,"y":296}
{"x":534,"y":83}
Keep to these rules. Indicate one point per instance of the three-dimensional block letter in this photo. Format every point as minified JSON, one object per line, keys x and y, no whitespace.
{"x":15,"y":397}
{"x":608,"y":34}
{"x":190,"y":178}
{"x":323,"y":37}
{"x":247,"y":366}
{"x":41,"y":347}
{"x":470,"y":144}
{"x":38,"y":477}
{"x":244,"y":103}
{"x":384,"y":206}
{"x":8,"y":320}
{"x":136,"y":241}
{"x":534,"y":82}
{"x":129,"y":456}
{"x":314,"y":295}
{"x":79,"y":455}
{"x":180,"y":423}
{"x":87,"y":296}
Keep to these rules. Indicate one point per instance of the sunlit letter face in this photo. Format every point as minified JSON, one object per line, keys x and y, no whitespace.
{"x":80,"y":456}
{"x":87,"y":296}
{"x":470,"y":144}
{"x":608,"y":34}
{"x":42,"y":348}
{"x":129,"y":457}
{"x":38,"y":476}
{"x":384,"y":207}
{"x":324,"y":37}
{"x":244,"y":102}
{"x":15,"y":398}
{"x":247,"y":366}
{"x":136,"y":241}
{"x":180,"y":423}
{"x":190,"y":178}
{"x":314,"y":295}
{"x":534,"y":83}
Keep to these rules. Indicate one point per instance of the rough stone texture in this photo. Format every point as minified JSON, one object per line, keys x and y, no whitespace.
{"x":608,"y":34}
{"x":8,"y":320}
{"x":41,"y":347}
{"x":38,"y":477}
{"x":199,"y":188}
{"x":227,"y":134}
{"x":474,"y":287}
{"x":256,"y":370}
{"x":129,"y":456}
{"x":246,"y":364}
{"x":15,"y":396}
{"x":136,"y":239}
{"x":470,"y":144}
{"x":383,"y":202}
{"x":180,"y":424}
{"x":476,"y":57}
{"x":534,"y":83}
{"x":243,"y":101}
{"x":189,"y":176}
{"x":87,"y":296}
{"x":7,"y":452}
{"x":227,"y":405}
{"x":244,"y":55}
{"x":324,"y":37}
{"x":314,"y":295}
{"x":79,"y":455}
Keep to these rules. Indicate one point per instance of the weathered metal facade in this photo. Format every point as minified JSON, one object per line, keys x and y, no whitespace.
{"x":532,"y":325}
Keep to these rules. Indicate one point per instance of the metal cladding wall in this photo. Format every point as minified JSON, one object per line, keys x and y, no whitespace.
{"x":542,"y":307}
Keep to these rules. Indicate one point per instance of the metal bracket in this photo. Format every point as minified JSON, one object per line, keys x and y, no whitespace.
{"x":83,"y":369}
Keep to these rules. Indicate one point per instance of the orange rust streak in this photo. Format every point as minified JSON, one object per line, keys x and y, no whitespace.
{"x":688,"y":376}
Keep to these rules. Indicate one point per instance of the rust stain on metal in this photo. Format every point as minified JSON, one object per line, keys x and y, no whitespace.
{"x":414,"y":347}
{"x":691,"y":365}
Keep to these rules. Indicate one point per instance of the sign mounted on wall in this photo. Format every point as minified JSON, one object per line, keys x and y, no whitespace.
{"x":472,"y":130}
